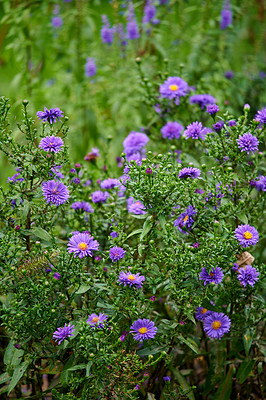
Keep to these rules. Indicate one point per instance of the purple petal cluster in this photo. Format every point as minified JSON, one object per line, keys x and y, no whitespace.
{"x":216,"y":325}
{"x":185,"y":221}
{"x":202,"y":100}
{"x":143,"y":329}
{"x":189,"y":172}
{"x":215,"y":276}
{"x":212,"y":109}
{"x":174,"y":88}
{"x":218,"y":126}
{"x":135,"y":207}
{"x":82,"y":205}
{"x":51,"y":143}
{"x":50,"y":115}
{"x":116,"y":253}
{"x":106,"y":31}
{"x":149,"y":12}
{"x":110,"y":183}
{"x":248,"y":275}
{"x":134,"y":145}
{"x":63,"y":333}
{"x":260,"y":184}
{"x":90,"y":67}
{"x":55,"y":192}
{"x":201,"y":313}
{"x":82,"y":245}
{"x":99,"y":197}
{"x":172,"y":130}
{"x":132,"y":26}
{"x":195,"y":131}
{"x":226,"y":15}
{"x":17,"y":177}
{"x":57,"y":22}
{"x":261,"y":116}
{"x":248,"y":143}
{"x":97,"y":321}
{"x":127,"y":278}
{"x":246,"y":235}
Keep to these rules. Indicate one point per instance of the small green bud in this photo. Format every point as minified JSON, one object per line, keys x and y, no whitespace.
{"x":160,"y":156}
{"x":173,"y":147}
{"x":144,"y":159}
{"x":109,"y":137}
{"x":203,"y":166}
{"x":53,"y":310}
{"x":151,"y":241}
{"x":138,"y":60}
{"x":66,"y":118}
{"x":25,"y":102}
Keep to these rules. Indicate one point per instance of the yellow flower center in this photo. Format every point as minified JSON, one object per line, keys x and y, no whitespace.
{"x":216,"y":325}
{"x":82,"y":246}
{"x":173,"y":87}
{"x":143,"y":330}
{"x":137,"y":203}
{"x":131,"y":277}
{"x":186,"y":218}
{"x":95,"y":319}
{"x":247,"y":235}
{"x":204,"y":310}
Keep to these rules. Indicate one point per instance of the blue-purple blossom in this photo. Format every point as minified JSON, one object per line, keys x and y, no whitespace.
{"x":17,"y":177}
{"x":97,"y":321}
{"x":134,"y":143}
{"x":201,"y":313}
{"x":246,"y":235}
{"x":51,"y":143}
{"x":109,"y":183}
{"x":113,"y":234}
{"x":166,"y":378}
{"x":82,"y":205}
{"x":50,"y":115}
{"x":149,"y":12}
{"x":143,"y":329}
{"x":82,"y":245}
{"x":116,"y":253}
{"x":235,"y":267}
{"x":57,"y":22}
{"x":55,"y":192}
{"x":215,"y":276}
{"x":261,"y":116}
{"x":128,"y":278}
{"x":218,"y":126}
{"x":248,"y":143}
{"x":174,"y":88}
{"x":185,"y":221}
{"x":189,"y":172}
{"x":172,"y":130}
{"x":55,"y":172}
{"x":90,"y":67}
{"x":99,"y":197}
{"x":212,"y":109}
{"x":228,"y":74}
{"x":106,"y":31}
{"x":216,"y":325}
{"x":93,"y":155}
{"x":202,"y":100}
{"x":132,"y":26}
{"x":247,"y":275}
{"x":63,"y":333}
{"x":260,"y":184}
{"x":226,"y":15}
{"x":195,"y":131}
{"x":135,"y":206}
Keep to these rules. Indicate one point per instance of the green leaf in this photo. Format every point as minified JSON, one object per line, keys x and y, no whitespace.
{"x":244,"y":370}
{"x":4,"y":377}
{"x":88,"y":368}
{"x":83,"y":289}
{"x":135,"y":232}
{"x":26,"y":208}
{"x":247,"y":340}
{"x":183,"y":382}
{"x":162,"y":221}
{"x":77,"y":367}
{"x":190,"y":343}
{"x":17,"y":375}
{"x":225,"y":389}
{"x":152,"y":350}
{"x":146,"y":228}
{"x":12,"y":355}
{"x":243,"y":218}
{"x":41,"y":233}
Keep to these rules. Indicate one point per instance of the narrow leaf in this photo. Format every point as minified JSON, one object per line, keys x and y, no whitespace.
{"x":41,"y":233}
{"x":244,"y":370}
{"x":225,"y":389}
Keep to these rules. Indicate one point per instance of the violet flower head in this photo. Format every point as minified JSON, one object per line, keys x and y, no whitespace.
{"x":248,"y":275}
{"x":99,"y":197}
{"x":57,"y":276}
{"x":260,"y":184}
{"x":235,"y":267}
{"x":90,"y":67}
{"x":51,"y":143}
{"x":218,"y":126}
{"x":82,"y":205}
{"x":261,"y":117}
{"x":127,"y":278}
{"x":149,"y":12}
{"x":113,"y":234}
{"x":202,"y":100}
{"x":135,"y":142}
{"x":174,"y":88}
{"x":189,"y":172}
{"x":248,"y":143}
{"x":55,"y":192}
{"x":132,"y":26}
{"x":172,"y":130}
{"x":195,"y":131}
{"x":185,"y":221}
{"x":106,"y":31}
{"x":82,"y":245}
{"x":135,"y":206}
{"x":116,"y":253}
{"x":16,"y":178}
{"x":50,"y":115}
{"x":55,"y":172}
{"x":97,"y":321}
{"x":201,"y":313}
{"x":216,"y":325}
{"x":63,"y":333}
{"x":166,"y":378}
{"x":246,"y":235}
{"x":228,"y":74}
{"x":212,"y":109}
{"x":226,"y":15}
{"x":215,"y":276}
{"x":109,"y":183}
{"x":93,"y":155}
{"x":143,"y":329}
{"x":57,"y":22}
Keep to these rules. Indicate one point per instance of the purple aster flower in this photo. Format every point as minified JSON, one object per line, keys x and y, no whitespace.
{"x":218,"y":126}
{"x":97,"y":321}
{"x":149,"y":171}
{"x":261,"y":117}
{"x":260,"y":184}
{"x":106,"y":31}
{"x":216,"y":325}
{"x":229,"y":74}
{"x":248,"y":275}
{"x":195,"y":131}
{"x":248,"y":143}
{"x":215,"y":276}
{"x":185,"y":220}
{"x":189,"y":172}
{"x":235,"y":267}
{"x":109,"y":183}
{"x":172,"y":130}
{"x":174,"y":88}
{"x":135,"y":207}
{"x":143,"y":329}
{"x":16,"y":178}
{"x":149,"y":12}
{"x":57,"y":276}
{"x":201,"y":313}
{"x":132,"y":26}
{"x":82,"y":245}
{"x":87,"y":183}
{"x":82,"y":205}
{"x":246,"y":235}
{"x":127,"y":278}
{"x":232,"y":122}
{"x":113,"y":234}
{"x":116,"y":253}
{"x":55,"y":192}
{"x":135,"y":142}
{"x":51,"y":143}
{"x":226,"y":15}
{"x":137,"y":387}
{"x":202,"y":100}
{"x":55,"y":172}
{"x":57,"y":22}
{"x":167,"y":378}
{"x":50,"y":115}
{"x":153,"y":298}
{"x":99,"y":196}
{"x":63,"y":333}
{"x":212,"y":109}
{"x":90,"y":67}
